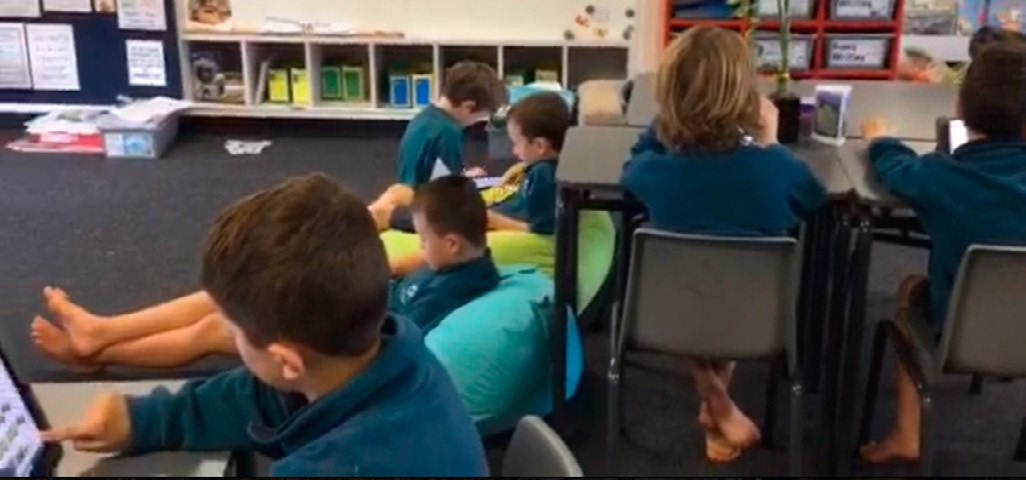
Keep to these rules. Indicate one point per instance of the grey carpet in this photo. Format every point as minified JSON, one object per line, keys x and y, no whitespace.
{"x":123,"y":234}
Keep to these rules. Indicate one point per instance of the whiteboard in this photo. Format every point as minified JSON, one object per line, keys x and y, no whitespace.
{"x":448,"y":19}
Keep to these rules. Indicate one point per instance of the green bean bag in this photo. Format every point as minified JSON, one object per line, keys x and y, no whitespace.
{"x":595,"y":244}
{"x":496,"y":349}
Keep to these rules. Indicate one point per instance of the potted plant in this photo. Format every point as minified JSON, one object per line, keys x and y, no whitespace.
{"x":788,"y":104}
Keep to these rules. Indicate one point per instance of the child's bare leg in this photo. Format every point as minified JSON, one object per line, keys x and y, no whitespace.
{"x":169,"y":349}
{"x":737,"y":429}
{"x":724,"y":371}
{"x":90,"y":333}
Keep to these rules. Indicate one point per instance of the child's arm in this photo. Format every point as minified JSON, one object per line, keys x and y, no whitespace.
{"x":898,"y":167}
{"x":648,"y":141}
{"x":450,"y":152}
{"x":404,"y":266}
{"x":205,"y":415}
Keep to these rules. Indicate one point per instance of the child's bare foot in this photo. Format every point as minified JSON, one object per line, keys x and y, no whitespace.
{"x":717,"y":448}
{"x":56,"y":344}
{"x":79,"y":324}
{"x":896,"y":447}
{"x":739,"y":430}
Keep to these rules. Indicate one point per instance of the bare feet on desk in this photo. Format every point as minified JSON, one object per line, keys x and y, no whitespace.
{"x":56,"y":344}
{"x":78,"y":323}
{"x":895,"y":448}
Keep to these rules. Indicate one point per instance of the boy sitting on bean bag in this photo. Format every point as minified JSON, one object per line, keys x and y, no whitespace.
{"x":451,"y":220}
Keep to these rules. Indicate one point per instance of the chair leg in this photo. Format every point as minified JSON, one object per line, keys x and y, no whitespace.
{"x":925,"y":434}
{"x":797,"y":428}
{"x":1020,"y":447}
{"x":769,"y":415}
{"x":872,"y":384}
{"x":614,"y":427}
{"x":976,"y":386}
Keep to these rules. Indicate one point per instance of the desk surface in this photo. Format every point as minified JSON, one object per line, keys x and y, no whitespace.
{"x":65,"y":403}
{"x":864,"y":182}
{"x":593,"y":157}
{"x":909,"y":108}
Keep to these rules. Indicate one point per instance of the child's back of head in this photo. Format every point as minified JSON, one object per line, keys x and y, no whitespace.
{"x":708,"y":93}
{"x":993,"y":96}
{"x":300,"y":262}
{"x":451,"y":218}
{"x":989,"y":35}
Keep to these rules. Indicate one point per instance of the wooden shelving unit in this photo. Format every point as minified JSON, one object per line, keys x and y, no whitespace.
{"x":821,"y":28}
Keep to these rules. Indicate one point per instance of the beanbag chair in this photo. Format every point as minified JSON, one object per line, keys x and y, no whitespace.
{"x":496,"y":349}
{"x":595,"y":244}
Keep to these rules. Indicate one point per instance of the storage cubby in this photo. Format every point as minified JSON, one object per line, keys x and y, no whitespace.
{"x":406,"y":75}
{"x":595,"y":63}
{"x":344,"y":74}
{"x":215,"y":73}
{"x":450,"y":55}
{"x":523,"y":65}
{"x":279,"y":73}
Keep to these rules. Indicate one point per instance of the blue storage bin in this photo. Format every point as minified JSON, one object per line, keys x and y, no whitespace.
{"x":401,"y":91}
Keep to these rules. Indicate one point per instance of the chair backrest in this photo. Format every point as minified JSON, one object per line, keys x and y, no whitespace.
{"x":985,"y":329}
{"x":537,"y":451}
{"x":712,"y":297}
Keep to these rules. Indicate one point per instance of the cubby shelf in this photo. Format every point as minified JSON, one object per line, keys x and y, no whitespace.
{"x":575,"y":62}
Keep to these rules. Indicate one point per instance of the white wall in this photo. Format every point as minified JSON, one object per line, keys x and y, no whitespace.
{"x":648,"y":42}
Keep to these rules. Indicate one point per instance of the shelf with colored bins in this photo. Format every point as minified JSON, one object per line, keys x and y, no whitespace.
{"x":307,"y":76}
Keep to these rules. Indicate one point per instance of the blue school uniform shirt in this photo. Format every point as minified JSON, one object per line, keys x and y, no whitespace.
{"x":427,"y":296}
{"x":400,"y":417}
{"x":534,"y":202}
{"x":431,"y":144}
{"x":977,"y":195}
{"x":746,"y":191}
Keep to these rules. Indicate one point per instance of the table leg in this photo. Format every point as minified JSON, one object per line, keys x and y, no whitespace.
{"x":832,"y":352}
{"x":850,"y":374}
{"x":565,"y":298}
{"x":814,"y":291}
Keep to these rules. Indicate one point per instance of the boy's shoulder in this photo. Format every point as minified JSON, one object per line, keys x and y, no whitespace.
{"x":431,"y":120}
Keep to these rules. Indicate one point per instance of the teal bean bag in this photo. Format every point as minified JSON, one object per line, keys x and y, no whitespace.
{"x":496,"y":349}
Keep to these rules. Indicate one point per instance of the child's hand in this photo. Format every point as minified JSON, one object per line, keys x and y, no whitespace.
{"x":475,"y":172}
{"x":770,"y":119}
{"x":104,"y":428}
{"x":873,"y":128}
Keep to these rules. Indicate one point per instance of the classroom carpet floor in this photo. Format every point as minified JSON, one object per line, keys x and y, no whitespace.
{"x":127,"y":233}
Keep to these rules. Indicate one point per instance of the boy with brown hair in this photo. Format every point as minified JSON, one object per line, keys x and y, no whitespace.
{"x":301,"y":280}
{"x":432,"y":145}
{"x":976,"y":195}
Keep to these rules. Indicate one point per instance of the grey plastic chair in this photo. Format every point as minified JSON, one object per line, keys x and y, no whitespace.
{"x":726,"y":298}
{"x":537,"y":451}
{"x":983,"y":335}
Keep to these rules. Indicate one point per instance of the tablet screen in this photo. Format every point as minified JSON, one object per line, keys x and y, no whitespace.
{"x":957,"y":134}
{"x":20,"y":441}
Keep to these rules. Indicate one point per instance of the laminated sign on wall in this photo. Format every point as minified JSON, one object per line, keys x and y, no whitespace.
{"x":14,"y":64}
{"x":19,"y":8}
{"x":52,"y":54}
{"x":142,"y":15}
{"x":146,"y":63}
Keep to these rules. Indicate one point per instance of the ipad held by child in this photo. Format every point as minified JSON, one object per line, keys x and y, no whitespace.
{"x":22,"y":450}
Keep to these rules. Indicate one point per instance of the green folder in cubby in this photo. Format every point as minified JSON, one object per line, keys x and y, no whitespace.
{"x":352,"y":83}
{"x":331,"y":83}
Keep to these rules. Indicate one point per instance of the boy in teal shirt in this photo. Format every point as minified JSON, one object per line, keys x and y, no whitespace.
{"x":451,"y":219}
{"x":976,"y":195}
{"x":301,"y":279}
{"x":432,"y":145}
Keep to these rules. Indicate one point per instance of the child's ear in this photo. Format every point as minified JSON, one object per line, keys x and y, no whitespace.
{"x":453,"y":243}
{"x":469,"y":106}
{"x":289,"y":361}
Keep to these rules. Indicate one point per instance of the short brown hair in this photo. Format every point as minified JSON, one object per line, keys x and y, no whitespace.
{"x":993,"y":94}
{"x":707,"y":89}
{"x":300,"y":262}
{"x":452,"y":205}
{"x":989,"y":35}
{"x":474,"y":82}
{"x":542,"y":115}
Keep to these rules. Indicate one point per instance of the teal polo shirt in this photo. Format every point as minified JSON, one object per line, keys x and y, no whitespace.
{"x":427,"y":296}
{"x":534,"y":203}
{"x":431,"y":146}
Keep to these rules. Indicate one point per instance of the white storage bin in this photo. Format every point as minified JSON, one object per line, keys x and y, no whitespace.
{"x":769,"y":53}
{"x":868,"y":10}
{"x":800,"y":9}
{"x":857,"y":51}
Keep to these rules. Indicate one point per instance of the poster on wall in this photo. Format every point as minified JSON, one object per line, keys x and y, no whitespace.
{"x":52,"y":55}
{"x":210,"y":13}
{"x":105,"y":6}
{"x":19,"y":8}
{"x":14,"y":64}
{"x":146,"y":63}
{"x":141,"y":15}
{"x":75,"y":6}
